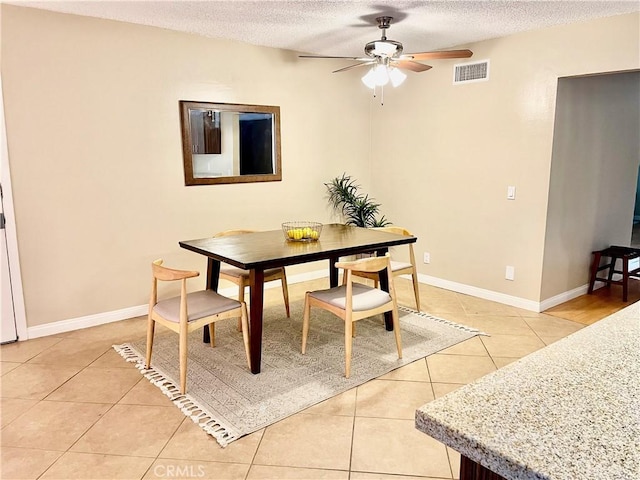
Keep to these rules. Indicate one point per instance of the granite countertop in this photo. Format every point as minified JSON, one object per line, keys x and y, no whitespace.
{"x":569,"y":411}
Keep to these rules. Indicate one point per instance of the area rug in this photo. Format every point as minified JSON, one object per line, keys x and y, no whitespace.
{"x":227,"y":401}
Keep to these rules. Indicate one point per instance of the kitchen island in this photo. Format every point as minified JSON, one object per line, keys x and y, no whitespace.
{"x":570,"y":411}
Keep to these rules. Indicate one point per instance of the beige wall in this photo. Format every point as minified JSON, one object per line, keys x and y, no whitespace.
{"x":443,"y":164}
{"x":96,"y":159}
{"x":94,"y":145}
{"x":596,"y":151}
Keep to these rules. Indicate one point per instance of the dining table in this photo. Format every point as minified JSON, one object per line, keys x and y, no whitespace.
{"x":263,"y":250}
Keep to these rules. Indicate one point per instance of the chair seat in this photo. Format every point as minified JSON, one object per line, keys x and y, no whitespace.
{"x":363,"y":302}
{"x":199,"y":305}
{"x":239,"y":272}
{"x":364,"y":297}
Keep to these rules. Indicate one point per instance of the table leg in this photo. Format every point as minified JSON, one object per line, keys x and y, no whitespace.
{"x":213,"y":276}
{"x":384,"y":285}
{"x":333,"y":272}
{"x":256,"y":282}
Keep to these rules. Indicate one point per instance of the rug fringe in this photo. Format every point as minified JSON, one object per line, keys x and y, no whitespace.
{"x":464,"y":328}
{"x":190,"y":407}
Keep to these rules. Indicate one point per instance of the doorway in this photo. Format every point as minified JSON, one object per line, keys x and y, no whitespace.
{"x":593,"y":179}
{"x":635,"y":230}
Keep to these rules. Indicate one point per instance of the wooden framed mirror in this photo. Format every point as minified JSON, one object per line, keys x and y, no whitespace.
{"x":230,"y":143}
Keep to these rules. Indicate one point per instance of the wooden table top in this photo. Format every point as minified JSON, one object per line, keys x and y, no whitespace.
{"x":270,"y":249}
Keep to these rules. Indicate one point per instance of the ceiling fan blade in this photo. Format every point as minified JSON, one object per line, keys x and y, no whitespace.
{"x":437,"y":55}
{"x":323,"y":56}
{"x":410,"y":65}
{"x":354,"y":66}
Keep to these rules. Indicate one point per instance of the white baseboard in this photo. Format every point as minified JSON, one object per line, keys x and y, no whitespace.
{"x":523,"y":303}
{"x":563,"y":297}
{"x":78,"y":323}
{"x":518,"y":302}
{"x":566,"y":296}
{"x":137,"y":311}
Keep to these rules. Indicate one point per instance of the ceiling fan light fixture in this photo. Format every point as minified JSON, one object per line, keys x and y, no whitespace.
{"x":387,"y":59}
{"x":381,"y":75}
{"x":384,"y":48}
{"x":369,"y":78}
{"x":397,"y":76}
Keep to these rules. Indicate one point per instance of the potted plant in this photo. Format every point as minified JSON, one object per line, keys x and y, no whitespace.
{"x":358,"y":209}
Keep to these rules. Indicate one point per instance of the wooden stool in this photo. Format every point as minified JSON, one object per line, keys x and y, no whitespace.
{"x":625,"y":254}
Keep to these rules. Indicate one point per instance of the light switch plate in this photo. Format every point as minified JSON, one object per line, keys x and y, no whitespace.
{"x":510,"y":273}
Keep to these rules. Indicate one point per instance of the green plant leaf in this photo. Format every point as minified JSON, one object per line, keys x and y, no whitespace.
{"x":358,"y":209}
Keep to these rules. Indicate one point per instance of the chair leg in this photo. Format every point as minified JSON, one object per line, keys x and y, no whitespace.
{"x":241,"y":300}
{"x":625,"y":278}
{"x":348,"y":344}
{"x":396,"y":330}
{"x":416,"y":288}
{"x":212,"y":334}
{"x":305,"y":322}
{"x":183,"y":360}
{"x":245,"y":333}
{"x":285,"y":292}
{"x":151,"y":326}
{"x":612,"y":268}
{"x":594,"y":270}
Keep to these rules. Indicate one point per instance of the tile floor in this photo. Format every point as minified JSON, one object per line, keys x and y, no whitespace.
{"x":71,"y":408}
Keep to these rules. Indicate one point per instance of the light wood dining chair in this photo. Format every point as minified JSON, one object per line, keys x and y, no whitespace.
{"x":399,"y":268}
{"x":188,"y":312}
{"x":354,"y":301}
{"x":241,"y":277}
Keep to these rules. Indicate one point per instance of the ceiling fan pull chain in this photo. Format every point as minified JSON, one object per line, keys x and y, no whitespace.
{"x":382,"y":95}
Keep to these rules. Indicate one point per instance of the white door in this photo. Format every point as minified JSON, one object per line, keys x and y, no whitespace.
{"x":8,"y":332}
{"x":13,"y":323}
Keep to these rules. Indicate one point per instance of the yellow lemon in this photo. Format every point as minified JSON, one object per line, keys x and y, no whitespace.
{"x":298,"y":234}
{"x":314,"y":234}
{"x":290,"y":233}
{"x":306,"y":231}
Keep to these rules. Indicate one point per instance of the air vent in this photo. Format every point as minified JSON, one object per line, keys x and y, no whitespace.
{"x":471,"y":72}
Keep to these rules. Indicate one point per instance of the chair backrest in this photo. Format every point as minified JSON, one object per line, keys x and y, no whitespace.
{"x":401,"y":231}
{"x":169,"y":274}
{"x":158,"y":272}
{"x":370,"y":264}
{"x":395,"y":229}
{"x":233,"y":232}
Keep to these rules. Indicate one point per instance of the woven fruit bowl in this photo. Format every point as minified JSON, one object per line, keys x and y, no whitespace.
{"x":301,"y":231}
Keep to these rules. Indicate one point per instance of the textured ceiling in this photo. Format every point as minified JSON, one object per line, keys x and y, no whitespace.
{"x":344,"y":27}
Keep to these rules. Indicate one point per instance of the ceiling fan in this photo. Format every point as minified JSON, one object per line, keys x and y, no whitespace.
{"x":387,"y":58}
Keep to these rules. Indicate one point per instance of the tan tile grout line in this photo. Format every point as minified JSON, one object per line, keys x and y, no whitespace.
{"x":251,"y":464}
{"x":68,"y":450}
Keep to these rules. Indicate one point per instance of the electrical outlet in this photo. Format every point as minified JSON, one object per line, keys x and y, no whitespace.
{"x":510,"y":273}
{"x":427,"y":257}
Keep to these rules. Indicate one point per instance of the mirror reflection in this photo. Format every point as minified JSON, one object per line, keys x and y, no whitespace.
{"x":230,"y":143}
